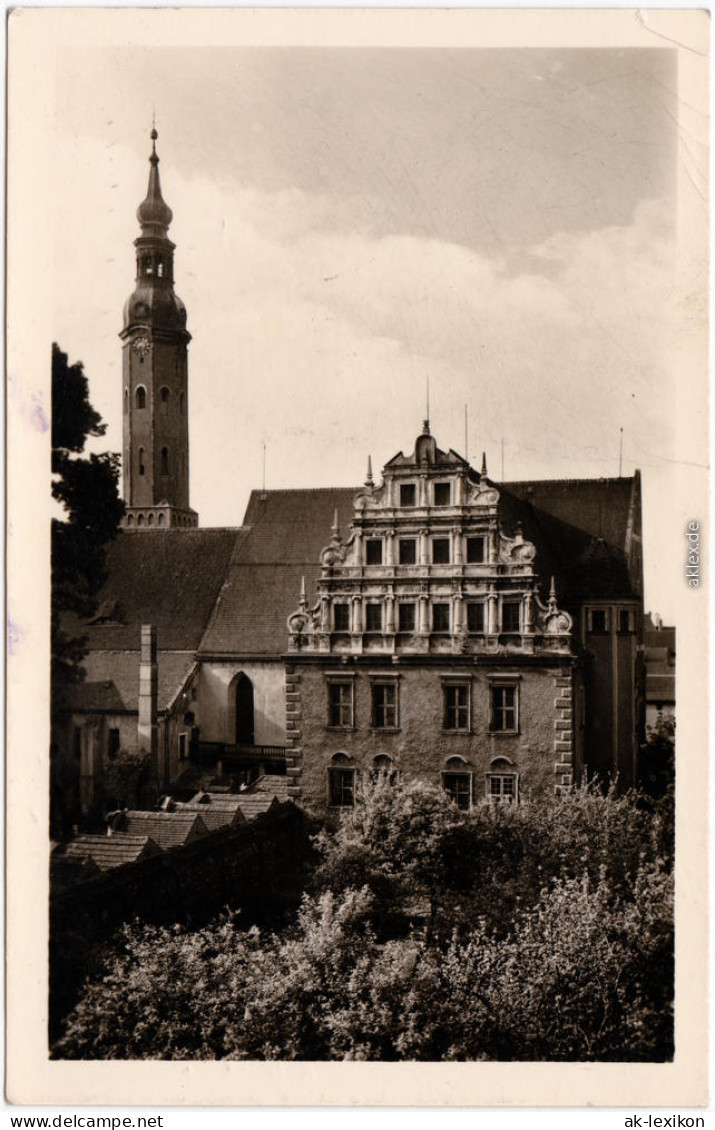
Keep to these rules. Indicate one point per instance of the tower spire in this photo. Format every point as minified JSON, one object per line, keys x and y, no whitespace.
{"x":154,"y":214}
{"x":155,"y":375}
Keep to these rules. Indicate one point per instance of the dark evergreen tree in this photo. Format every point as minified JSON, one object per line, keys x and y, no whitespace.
{"x":87,"y":488}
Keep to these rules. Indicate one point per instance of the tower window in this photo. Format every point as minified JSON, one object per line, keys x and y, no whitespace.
{"x":140,"y":397}
{"x":142,"y":468}
{"x":597,"y":621}
{"x":164,"y":394}
{"x":160,"y":270}
{"x":373,"y":551}
{"x":408,"y":551}
{"x":442,"y":494}
{"x":407,"y":494}
{"x":165,"y":460}
{"x":126,"y":400}
{"x":475,"y":551}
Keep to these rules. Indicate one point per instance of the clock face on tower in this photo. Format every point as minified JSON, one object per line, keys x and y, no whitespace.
{"x":141,"y":346}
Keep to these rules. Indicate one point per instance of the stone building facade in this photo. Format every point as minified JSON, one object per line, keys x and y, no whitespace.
{"x":431,"y":651}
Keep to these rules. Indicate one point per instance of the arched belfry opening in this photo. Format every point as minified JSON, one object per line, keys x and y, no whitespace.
{"x":244,"y":711}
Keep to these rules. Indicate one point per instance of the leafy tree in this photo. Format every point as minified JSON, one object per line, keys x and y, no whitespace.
{"x":656,"y":763}
{"x":574,"y":962}
{"x":87,"y":489}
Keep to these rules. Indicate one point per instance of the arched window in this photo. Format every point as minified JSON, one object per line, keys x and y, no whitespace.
{"x":140,"y":520}
{"x":383,"y":766}
{"x":244,"y":711}
{"x":160,"y":270}
{"x":341,"y":782}
{"x":457,"y":781}
{"x":502,"y":780}
{"x":164,"y":394}
{"x":142,"y":468}
{"x":150,"y":520}
{"x":182,"y":403}
{"x":165,"y":460}
{"x":126,"y":399}
{"x":162,"y":520}
{"x":140,"y":397}
{"x":130,"y":519}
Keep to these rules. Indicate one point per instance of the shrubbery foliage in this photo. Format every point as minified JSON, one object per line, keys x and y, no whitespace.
{"x":529,"y":932}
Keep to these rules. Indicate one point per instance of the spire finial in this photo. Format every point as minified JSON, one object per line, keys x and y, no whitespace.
{"x":303,"y":602}
{"x":552,"y":593}
{"x":335,"y":528}
{"x":153,"y":213}
{"x":425,"y":424}
{"x":369,"y":480}
{"x":484,"y":463}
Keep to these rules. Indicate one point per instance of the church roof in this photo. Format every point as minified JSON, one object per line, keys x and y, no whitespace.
{"x":285,"y":531}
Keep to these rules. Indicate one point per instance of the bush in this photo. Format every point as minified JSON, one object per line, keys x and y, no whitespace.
{"x":544,"y":932}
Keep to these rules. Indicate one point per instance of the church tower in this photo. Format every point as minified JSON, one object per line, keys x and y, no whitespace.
{"x":154,"y":369}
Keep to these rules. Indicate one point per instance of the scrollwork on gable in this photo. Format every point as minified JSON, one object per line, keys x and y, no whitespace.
{"x":516,"y":550}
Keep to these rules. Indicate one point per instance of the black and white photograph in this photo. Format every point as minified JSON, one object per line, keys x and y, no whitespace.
{"x":357,"y":521}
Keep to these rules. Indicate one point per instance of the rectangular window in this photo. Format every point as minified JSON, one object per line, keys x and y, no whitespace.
{"x":459,"y":787}
{"x":456,"y":707}
{"x":442,"y":494}
{"x":475,"y":617}
{"x":625,"y":621}
{"x":340,"y":704}
{"x":598,"y":620}
{"x":408,"y":551}
{"x":475,"y":551}
{"x":342,"y":787}
{"x":504,"y":709}
{"x":440,"y":551}
{"x":112,"y":742}
{"x":182,"y":747}
{"x":511,"y":616}
{"x":384,"y":706}
{"x":440,"y":617}
{"x":373,"y":617}
{"x":341,"y":617}
{"x":373,"y":551}
{"x":502,"y":786}
{"x":405,"y":617}
{"x":407,"y":494}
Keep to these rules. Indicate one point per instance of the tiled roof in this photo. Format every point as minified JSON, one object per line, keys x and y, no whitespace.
{"x":169,"y":578}
{"x":67,"y":870}
{"x":255,"y":804}
{"x":118,"y":673}
{"x":113,"y":851}
{"x":168,"y":829}
{"x":580,"y":528}
{"x":274,"y":784}
{"x":217,"y":810}
{"x":285,"y":532}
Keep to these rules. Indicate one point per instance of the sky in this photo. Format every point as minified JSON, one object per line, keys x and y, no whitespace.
{"x":353,"y":223}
